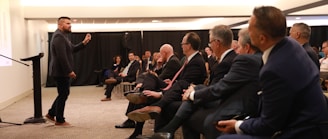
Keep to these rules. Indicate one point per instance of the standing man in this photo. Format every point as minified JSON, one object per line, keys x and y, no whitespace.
{"x":301,"y":32}
{"x":61,"y":68}
{"x":292,"y":105}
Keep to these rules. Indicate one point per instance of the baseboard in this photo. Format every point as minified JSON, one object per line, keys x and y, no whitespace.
{"x":14,"y":99}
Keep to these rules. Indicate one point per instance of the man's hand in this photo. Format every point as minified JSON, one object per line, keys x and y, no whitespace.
{"x":226,"y":126}
{"x":72,"y":75}
{"x":187,"y":92}
{"x":139,"y":85}
{"x":153,"y":94}
{"x":122,"y":75}
{"x":87,"y":38}
{"x":167,"y":81}
{"x":152,"y":72}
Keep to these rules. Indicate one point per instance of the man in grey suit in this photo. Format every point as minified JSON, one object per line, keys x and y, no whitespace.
{"x":61,"y":67}
{"x":292,"y":105}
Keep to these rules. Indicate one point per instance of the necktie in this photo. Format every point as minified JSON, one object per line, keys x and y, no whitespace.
{"x":175,"y":76}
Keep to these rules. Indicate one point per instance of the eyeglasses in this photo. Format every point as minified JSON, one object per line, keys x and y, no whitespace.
{"x":184,"y":43}
{"x":209,"y":44}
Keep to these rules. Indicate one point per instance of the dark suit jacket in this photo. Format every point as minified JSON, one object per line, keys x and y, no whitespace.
{"x":220,"y":69}
{"x":132,"y":72}
{"x":314,"y":57}
{"x":61,"y":49}
{"x":292,"y":100}
{"x":144,"y":64}
{"x":195,"y":71}
{"x":211,"y":61}
{"x":170,"y":68}
{"x":152,"y":82}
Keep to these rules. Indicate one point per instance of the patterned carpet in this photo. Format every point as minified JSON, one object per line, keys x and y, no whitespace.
{"x":90,"y":118}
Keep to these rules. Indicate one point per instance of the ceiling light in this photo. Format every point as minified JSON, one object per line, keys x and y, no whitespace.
{"x":156,"y":21}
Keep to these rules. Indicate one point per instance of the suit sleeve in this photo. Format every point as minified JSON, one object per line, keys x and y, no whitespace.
{"x":61,"y":48}
{"x":241,"y":72}
{"x":77,"y":47}
{"x":278,"y":99}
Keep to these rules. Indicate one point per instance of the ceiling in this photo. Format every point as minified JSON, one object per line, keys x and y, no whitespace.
{"x":131,"y":15}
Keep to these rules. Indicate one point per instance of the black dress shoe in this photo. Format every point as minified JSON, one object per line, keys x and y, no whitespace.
{"x":126,"y":124}
{"x":134,"y":136}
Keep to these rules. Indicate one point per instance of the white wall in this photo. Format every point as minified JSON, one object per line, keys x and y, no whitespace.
{"x":37,"y":40}
{"x":16,"y":81}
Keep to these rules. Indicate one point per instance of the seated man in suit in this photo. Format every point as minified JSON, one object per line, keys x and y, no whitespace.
{"x":151,"y":81}
{"x":127,"y":75}
{"x":292,"y":105}
{"x":301,"y":32}
{"x":172,"y":98}
{"x":234,"y":94}
{"x":146,"y":62}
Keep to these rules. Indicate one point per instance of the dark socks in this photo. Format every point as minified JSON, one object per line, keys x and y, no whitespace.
{"x":173,"y":125}
{"x":137,"y":130}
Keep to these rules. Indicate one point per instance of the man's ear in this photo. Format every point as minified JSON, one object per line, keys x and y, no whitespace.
{"x":248,"y":47}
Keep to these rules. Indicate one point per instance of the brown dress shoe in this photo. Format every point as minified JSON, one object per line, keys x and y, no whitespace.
{"x":110,"y":81}
{"x":65,"y":124}
{"x":50,"y":118}
{"x":106,"y":99}
{"x":145,"y":113}
{"x":136,"y":98}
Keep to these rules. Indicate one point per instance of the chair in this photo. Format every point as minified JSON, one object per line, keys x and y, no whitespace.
{"x":125,"y":86}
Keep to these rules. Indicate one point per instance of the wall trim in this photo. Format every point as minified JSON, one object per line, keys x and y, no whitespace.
{"x":15,"y":99}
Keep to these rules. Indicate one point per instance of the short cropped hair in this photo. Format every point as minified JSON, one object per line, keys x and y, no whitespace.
{"x":271,"y":21}
{"x":63,"y":17}
{"x":244,"y":34}
{"x":304,"y":29}
{"x":222,"y":33}
{"x":194,"y":40}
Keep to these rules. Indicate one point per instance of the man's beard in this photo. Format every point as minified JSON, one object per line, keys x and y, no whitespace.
{"x":67,"y":30}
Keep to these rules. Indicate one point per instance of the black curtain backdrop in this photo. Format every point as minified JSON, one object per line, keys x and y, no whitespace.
{"x":99,"y":53}
{"x":153,"y":40}
{"x":319,"y":34}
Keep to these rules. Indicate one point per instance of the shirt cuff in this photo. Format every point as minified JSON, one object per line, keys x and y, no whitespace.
{"x":237,"y":125}
{"x":192,"y":95}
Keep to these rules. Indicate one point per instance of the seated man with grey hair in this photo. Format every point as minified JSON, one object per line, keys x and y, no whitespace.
{"x":234,"y":96}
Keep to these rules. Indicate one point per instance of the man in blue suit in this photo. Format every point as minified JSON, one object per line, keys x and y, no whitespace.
{"x":292,"y":105}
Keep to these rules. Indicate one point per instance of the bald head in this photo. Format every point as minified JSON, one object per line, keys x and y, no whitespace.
{"x":166,"y":51}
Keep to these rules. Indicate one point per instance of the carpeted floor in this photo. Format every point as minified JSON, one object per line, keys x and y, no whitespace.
{"x":90,"y":118}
